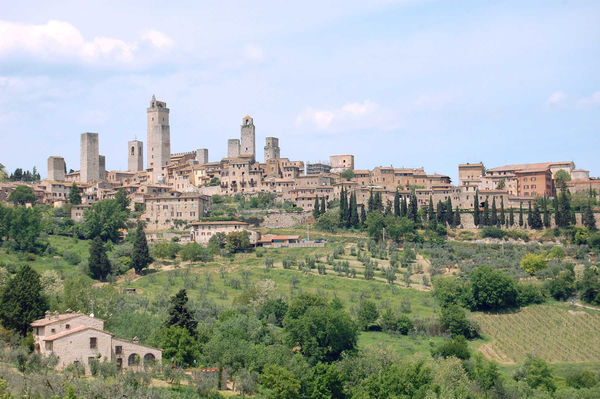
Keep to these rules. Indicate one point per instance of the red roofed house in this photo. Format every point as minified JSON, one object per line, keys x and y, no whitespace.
{"x":77,"y":338}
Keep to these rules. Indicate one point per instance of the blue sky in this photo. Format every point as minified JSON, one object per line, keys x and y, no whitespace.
{"x":405,"y":83}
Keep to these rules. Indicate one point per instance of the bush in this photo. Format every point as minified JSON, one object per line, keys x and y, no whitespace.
{"x":557,"y":252}
{"x":529,"y":294}
{"x":454,"y":320}
{"x":532,"y":263}
{"x":492,"y":232}
{"x":404,"y":325}
{"x":492,"y":290}
{"x":457,"y":347}
{"x":71,"y":257}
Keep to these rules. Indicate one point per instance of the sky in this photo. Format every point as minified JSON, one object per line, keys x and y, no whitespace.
{"x":408,"y":83}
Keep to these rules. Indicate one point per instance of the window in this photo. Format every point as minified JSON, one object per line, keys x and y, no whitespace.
{"x":93,"y":342}
{"x":119,"y":363}
{"x":118,"y":350}
{"x":48,"y":345}
{"x":53,"y":330}
{"x":533,"y":179}
{"x":524,"y":179}
{"x":526,"y":186}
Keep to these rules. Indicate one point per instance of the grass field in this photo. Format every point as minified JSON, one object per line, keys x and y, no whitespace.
{"x":404,"y":345}
{"x":555,"y":332}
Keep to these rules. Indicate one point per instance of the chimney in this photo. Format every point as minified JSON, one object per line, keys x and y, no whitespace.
{"x":56,"y":314}
{"x":69,"y":311}
{"x":47,"y":314}
{"x":135,"y":340}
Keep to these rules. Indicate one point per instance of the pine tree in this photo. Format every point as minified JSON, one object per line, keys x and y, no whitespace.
{"x":511,"y":217}
{"x":529,"y":216}
{"x":486,"y":213}
{"x":140,"y":257}
{"x":404,"y":208}
{"x":179,"y":314}
{"x":316,"y":210}
{"x":322,"y":205}
{"x":98,"y":261}
{"x":22,"y":300}
{"x":494,"y":214}
{"x":502,"y":214}
{"x":74,"y":195}
{"x":397,"y":204}
{"x":476,"y":215}
{"x":521,"y":214}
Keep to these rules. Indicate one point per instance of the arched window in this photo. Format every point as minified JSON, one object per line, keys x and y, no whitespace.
{"x":149,"y":358}
{"x":133,"y":359}
{"x":132,"y":150}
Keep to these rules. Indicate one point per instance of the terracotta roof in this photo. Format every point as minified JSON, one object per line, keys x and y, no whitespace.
{"x":46,"y":321}
{"x":527,"y":166}
{"x":226,"y":222}
{"x":271,"y":237}
{"x":73,"y":331}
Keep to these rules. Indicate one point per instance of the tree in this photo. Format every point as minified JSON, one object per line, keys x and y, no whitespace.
{"x":532,"y":263}
{"x":280,"y":382}
{"x":367,"y":314}
{"x":397,"y":209}
{"x":511,"y":217}
{"x":322,"y":211}
{"x":413,"y":209}
{"x":179,"y":314}
{"x":122,"y":199}
{"x":375,"y":224}
{"x":344,"y":208}
{"x":476,"y":215}
{"x":588,"y":218}
{"x":494,"y":214}
{"x":22,"y":301}
{"x":326,"y":382}
{"x":179,"y":346}
{"x":74,"y":195}
{"x":486,"y":213}
{"x":3,"y":174}
{"x":431,"y":216}
{"x":363,"y":215}
{"x":24,"y":226}
{"x":457,"y":347}
{"x":316,"y":208}
{"x":104,"y":220}
{"x":492,"y":290}
{"x":449,"y":212}
{"x":536,"y":373}
{"x":98,"y":261}
{"x":403,"y":208}
{"x":521,"y":214}
{"x":536,"y":219}
{"x":502,"y":214}
{"x":457,"y":222}
{"x":354,"y":219}
{"x":321,"y":331}
{"x":546,"y":212}
{"x":561,"y":178}
{"x":140,"y":258}
{"x":454,"y":320}
{"x":238,"y":241}
{"x":564,"y":208}
{"x":347,"y":174}
{"x":22,"y":195}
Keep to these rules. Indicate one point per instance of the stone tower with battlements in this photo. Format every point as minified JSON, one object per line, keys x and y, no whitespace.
{"x":247,"y":143}
{"x":90,"y":159}
{"x":272,"y":148}
{"x":159,"y":137}
{"x":56,"y":168}
{"x":135,"y":156}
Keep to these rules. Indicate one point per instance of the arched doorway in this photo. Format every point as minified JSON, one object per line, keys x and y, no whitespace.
{"x":133,"y":359}
{"x":149,"y":359}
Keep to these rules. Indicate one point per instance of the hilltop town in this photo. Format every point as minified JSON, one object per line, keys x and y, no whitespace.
{"x":177,"y":188}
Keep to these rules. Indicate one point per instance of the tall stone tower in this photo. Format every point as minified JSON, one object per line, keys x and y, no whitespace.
{"x":102,"y":167}
{"x":90,"y":159}
{"x":247,"y":144}
{"x":272,"y":148}
{"x":56,"y":168}
{"x":233,"y":148}
{"x":135,"y":156}
{"x":202,"y":155}
{"x":159,"y":137}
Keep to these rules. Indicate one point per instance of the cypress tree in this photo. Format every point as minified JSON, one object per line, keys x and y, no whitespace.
{"x":413,"y":208}
{"x":511,"y":217}
{"x":363,"y":215}
{"x":476,"y":215}
{"x":98,"y":261}
{"x":457,"y":221}
{"x":397,"y":204}
{"x":430,"y":213}
{"x":502,"y":214}
{"x":486,"y":213}
{"x":536,"y":218}
{"x":403,"y":208}
{"x":141,"y":256}
{"x":322,"y":205}
{"x":440,"y":215}
{"x":354,"y":220}
{"x":371,"y":201}
{"x":316,"y":208}
{"x":378,"y":201}
{"x":588,"y":217}
{"x":388,"y":208}
{"x":546,"y":212}
{"x":449,"y":215}
{"x":521,"y":214}
{"x":564,"y":206}
{"x":343,"y":207}
{"x":529,"y":216}
{"x":556,"y":210}
{"x":179,"y":314}
{"x":494,"y":215}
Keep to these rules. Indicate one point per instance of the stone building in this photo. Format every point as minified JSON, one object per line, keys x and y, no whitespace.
{"x":339,"y":163}
{"x":315,"y":168}
{"x":159,"y":138}
{"x":135,"y":156}
{"x":162,"y":211}
{"x":233,"y":148}
{"x":101,"y":167}
{"x":202,"y":156}
{"x":56,"y":168}
{"x":248,"y":139}
{"x":77,"y":338}
{"x":272,"y":150}
{"x":90,"y":158}
{"x":202,"y":231}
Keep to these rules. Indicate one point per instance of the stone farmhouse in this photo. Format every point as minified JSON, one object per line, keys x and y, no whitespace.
{"x":78,"y":338}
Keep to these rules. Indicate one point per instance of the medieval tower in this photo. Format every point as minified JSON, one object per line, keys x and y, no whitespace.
{"x":272,"y":148}
{"x":56,"y":168}
{"x":233,"y":148}
{"x":247,"y":143}
{"x":159,"y":137}
{"x":89,"y":158}
{"x":135,"y":156}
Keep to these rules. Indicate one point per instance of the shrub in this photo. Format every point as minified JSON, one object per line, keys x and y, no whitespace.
{"x":404,"y":325}
{"x":71,"y":257}
{"x":529,"y":293}
{"x":492,"y":232}
{"x":531,"y":262}
{"x":454,"y":320}
{"x":557,"y":252}
{"x":492,"y":290}
{"x":457,"y":347}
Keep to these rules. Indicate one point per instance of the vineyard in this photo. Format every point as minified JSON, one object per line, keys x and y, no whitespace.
{"x":553,"y":333}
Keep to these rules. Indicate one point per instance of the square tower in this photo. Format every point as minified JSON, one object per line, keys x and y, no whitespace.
{"x":247,"y":144}
{"x":135,"y":156}
{"x":233,"y":148}
{"x":89,"y":158}
{"x":56,"y":168}
{"x":202,"y":155}
{"x":102,"y":167}
{"x":159,"y":137}
{"x":272,"y":148}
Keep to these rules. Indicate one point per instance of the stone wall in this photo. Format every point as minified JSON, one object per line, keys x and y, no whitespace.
{"x":284,"y":219}
{"x":467,"y":219}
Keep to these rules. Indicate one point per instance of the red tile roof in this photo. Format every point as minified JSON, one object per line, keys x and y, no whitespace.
{"x":73,"y":331}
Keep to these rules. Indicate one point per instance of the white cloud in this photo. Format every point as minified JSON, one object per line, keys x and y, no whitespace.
{"x":59,"y":39}
{"x":556,"y":98}
{"x":253,"y":52}
{"x":158,"y":39}
{"x":594,"y":99}
{"x":350,"y":116}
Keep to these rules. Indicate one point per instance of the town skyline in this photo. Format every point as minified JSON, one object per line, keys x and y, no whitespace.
{"x":411,"y":84}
